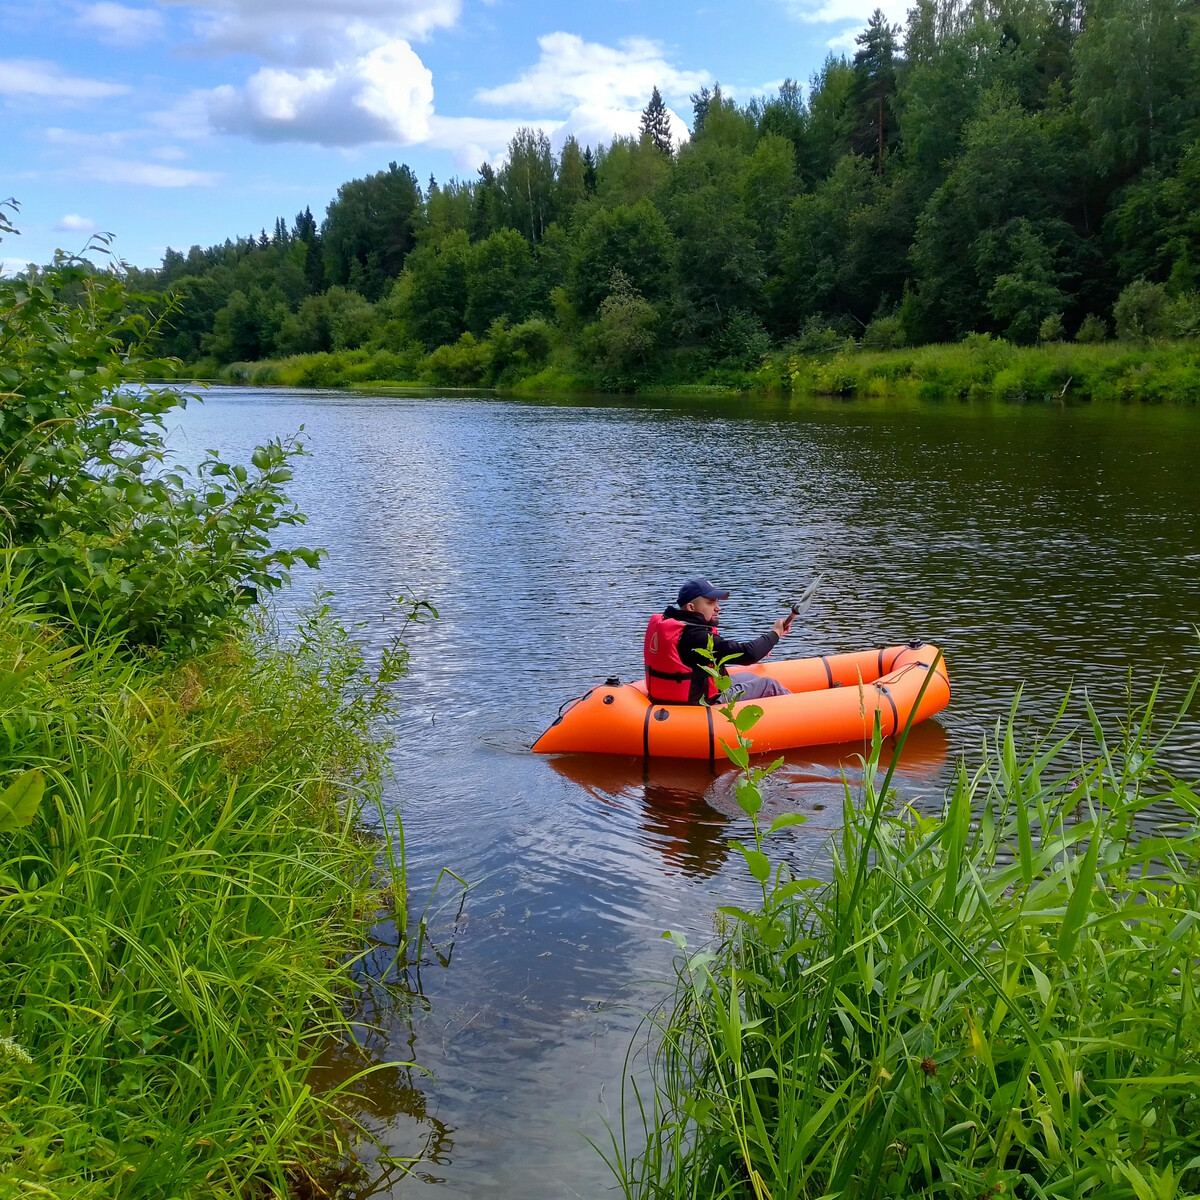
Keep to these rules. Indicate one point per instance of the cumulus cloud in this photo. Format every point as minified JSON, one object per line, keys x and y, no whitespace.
{"x":74,"y":223}
{"x":120,"y":170}
{"x":120,"y":25}
{"x":383,"y":96}
{"x":314,"y":33}
{"x":36,"y":77}
{"x":572,"y":72}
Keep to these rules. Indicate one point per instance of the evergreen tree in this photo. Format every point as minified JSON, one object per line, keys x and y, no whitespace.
{"x":656,"y":123}
{"x":700,"y":102}
{"x":484,"y":204}
{"x":875,"y":90}
{"x":571,"y":184}
{"x":589,"y":171}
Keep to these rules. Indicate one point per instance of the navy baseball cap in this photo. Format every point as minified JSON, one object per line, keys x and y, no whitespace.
{"x":691,"y":588}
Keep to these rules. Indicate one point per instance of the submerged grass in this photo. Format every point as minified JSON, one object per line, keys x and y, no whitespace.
{"x":175,"y":922}
{"x":998,"y":1000}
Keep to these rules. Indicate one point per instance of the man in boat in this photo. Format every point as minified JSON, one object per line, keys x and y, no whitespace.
{"x":675,"y":667}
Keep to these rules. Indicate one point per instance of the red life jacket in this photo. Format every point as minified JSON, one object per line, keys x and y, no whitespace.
{"x":668,"y":677}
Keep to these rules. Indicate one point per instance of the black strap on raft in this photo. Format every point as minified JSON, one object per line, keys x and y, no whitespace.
{"x":712,"y":741}
{"x":882,"y":690}
{"x":569,"y":704}
{"x":828,"y":671}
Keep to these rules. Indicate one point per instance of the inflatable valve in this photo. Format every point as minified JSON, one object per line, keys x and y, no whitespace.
{"x":613,"y":681}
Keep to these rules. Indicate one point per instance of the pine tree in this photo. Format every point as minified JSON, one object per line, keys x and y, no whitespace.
{"x":589,"y":170}
{"x":700,"y":104}
{"x":656,"y":123}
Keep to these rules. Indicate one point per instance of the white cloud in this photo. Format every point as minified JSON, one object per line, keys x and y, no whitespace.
{"x":12,"y":266}
{"x":572,"y":72}
{"x":74,"y":223}
{"x":383,"y":96}
{"x":72,"y":139}
{"x":141,"y":174}
{"x":837,"y":12}
{"x":476,"y":140}
{"x":314,"y":33}
{"x":36,"y":77}
{"x":168,"y":154}
{"x":119,"y":25}
{"x":592,"y":125}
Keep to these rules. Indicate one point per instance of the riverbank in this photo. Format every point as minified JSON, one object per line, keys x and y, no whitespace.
{"x":180,"y":915}
{"x":980,"y":367}
{"x":185,"y":882}
{"x":997,"y":999}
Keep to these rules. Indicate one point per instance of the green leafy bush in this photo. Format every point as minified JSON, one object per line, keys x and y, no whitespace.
{"x":1139,"y":312}
{"x":1092,"y":329}
{"x":115,"y":536}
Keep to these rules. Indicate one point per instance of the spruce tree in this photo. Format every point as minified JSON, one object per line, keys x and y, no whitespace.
{"x":589,"y":170}
{"x":874,"y":95}
{"x":656,"y":123}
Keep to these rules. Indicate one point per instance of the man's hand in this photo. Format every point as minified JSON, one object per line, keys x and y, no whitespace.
{"x":783,"y":626}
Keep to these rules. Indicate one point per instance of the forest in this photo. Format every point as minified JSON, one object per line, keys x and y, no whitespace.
{"x":1026,"y":170}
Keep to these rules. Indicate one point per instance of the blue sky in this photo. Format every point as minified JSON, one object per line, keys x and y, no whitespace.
{"x":177,"y":122}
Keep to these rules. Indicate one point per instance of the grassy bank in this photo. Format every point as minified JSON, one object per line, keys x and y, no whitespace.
{"x":978,"y":368}
{"x":1000,"y":1000}
{"x":184,"y":878}
{"x":175,"y":921}
{"x":982,"y":367}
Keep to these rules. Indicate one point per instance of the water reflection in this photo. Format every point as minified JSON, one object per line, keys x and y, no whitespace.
{"x":686,"y":807}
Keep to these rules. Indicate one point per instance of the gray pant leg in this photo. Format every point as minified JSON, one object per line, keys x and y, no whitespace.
{"x":747,"y":686}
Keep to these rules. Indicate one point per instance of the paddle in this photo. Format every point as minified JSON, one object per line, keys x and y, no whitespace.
{"x":801,"y":606}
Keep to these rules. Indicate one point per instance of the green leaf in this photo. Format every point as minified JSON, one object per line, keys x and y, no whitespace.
{"x":738,"y":755}
{"x":747,"y":717}
{"x":20,"y":800}
{"x":1081,"y":899}
{"x":785,"y":819}
{"x":749,"y":797}
{"x":758,"y":863}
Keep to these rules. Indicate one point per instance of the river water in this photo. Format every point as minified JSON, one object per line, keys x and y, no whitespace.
{"x":1041,"y":547}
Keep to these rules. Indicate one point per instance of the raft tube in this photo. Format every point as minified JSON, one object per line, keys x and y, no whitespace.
{"x":834,"y":699}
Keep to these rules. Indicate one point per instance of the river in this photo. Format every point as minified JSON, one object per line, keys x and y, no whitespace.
{"x":1041,"y":547}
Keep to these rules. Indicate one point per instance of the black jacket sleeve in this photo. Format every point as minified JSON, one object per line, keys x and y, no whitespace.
{"x":695,"y":638}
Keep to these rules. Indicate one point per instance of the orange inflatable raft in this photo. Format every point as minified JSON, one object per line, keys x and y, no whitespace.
{"x":834,"y":699}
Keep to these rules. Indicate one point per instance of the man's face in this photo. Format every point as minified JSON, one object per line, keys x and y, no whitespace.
{"x":708,"y":609}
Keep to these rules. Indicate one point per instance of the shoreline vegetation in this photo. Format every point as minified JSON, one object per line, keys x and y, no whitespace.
{"x":980,"y":367}
{"x":997,"y":999}
{"x":191,"y":845}
{"x":1025,"y":173}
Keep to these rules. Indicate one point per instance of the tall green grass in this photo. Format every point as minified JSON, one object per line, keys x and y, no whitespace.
{"x":176,"y":921}
{"x":981,"y":367}
{"x":1002,"y":999}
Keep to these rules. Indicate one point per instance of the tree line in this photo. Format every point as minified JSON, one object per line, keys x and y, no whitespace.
{"x":1024,"y":168}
